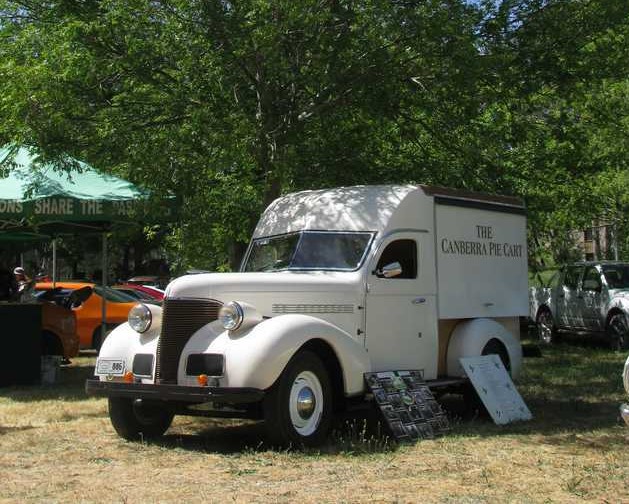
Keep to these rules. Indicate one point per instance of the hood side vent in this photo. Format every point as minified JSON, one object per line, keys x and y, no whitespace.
{"x":312,"y":308}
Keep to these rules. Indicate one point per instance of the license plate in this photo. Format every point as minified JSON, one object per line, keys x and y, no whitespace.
{"x":110,"y":367}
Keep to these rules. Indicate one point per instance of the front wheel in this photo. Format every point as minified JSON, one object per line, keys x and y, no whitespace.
{"x":298,"y":407}
{"x":545,"y":327}
{"x":618,"y":332}
{"x":135,"y":420}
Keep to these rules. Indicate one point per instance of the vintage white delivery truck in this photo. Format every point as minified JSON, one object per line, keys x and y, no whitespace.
{"x":335,"y":283}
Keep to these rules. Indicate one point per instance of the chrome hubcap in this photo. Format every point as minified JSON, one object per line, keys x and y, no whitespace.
{"x":306,"y":403}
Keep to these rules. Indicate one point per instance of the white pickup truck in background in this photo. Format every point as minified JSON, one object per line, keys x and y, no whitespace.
{"x":585,"y":298}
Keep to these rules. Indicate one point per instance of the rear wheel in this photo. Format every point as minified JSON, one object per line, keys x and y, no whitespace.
{"x":51,"y":344}
{"x":618,"y":332}
{"x":135,"y":419}
{"x":298,"y":408}
{"x":472,"y":400}
{"x":494,"y":346}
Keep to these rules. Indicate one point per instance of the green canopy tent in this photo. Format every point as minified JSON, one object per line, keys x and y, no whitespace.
{"x":44,"y":198}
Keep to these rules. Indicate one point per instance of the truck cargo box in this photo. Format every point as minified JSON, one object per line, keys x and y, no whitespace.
{"x":481,"y":256}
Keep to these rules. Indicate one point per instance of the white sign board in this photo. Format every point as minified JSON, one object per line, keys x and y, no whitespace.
{"x":496,"y":389}
{"x":482,"y":263}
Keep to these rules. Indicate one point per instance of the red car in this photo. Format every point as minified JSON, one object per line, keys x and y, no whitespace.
{"x":141,"y":292}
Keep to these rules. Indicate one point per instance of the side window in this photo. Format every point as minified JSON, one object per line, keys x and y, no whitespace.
{"x":592,"y":279}
{"x":403,"y":252}
{"x":573,"y":274}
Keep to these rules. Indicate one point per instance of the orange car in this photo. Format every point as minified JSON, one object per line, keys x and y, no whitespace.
{"x":89,"y":311}
{"x":59,"y":331}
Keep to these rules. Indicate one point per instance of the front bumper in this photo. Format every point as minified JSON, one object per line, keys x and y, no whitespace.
{"x":624,"y":412}
{"x":174,"y":393}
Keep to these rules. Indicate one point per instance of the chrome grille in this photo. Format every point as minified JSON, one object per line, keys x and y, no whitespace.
{"x":181,"y":318}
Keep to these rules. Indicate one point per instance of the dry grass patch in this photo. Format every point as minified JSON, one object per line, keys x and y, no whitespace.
{"x":57,"y":445}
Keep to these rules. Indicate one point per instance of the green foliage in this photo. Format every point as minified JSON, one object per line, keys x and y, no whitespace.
{"x":229,"y":104}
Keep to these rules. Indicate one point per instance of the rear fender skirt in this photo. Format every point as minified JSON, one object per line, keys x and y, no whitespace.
{"x":470,"y":337}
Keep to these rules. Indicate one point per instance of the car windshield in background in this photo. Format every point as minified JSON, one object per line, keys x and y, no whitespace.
{"x":113,"y":295}
{"x":136,"y":294}
{"x":617,"y":276}
{"x":308,"y":250}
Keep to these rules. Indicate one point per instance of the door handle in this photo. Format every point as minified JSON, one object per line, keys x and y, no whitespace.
{"x":419,"y":300}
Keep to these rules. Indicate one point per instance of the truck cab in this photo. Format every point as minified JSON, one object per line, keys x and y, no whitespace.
{"x":335,"y":284}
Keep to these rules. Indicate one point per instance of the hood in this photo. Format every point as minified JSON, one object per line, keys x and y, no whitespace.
{"x":619,"y":293}
{"x":217,"y":285}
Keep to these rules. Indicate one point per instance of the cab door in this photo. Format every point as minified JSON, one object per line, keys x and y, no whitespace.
{"x":401,"y":308}
{"x":568,"y":301}
{"x":592,"y":299}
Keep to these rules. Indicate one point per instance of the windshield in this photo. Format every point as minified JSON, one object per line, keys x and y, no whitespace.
{"x":312,"y":250}
{"x":617,"y":276}
{"x":113,"y":295}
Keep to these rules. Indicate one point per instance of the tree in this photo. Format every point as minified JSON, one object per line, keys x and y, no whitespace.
{"x":558,"y":111}
{"x":229,"y":104}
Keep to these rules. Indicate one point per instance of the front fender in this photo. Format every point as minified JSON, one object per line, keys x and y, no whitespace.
{"x":256,"y":357}
{"x":124,"y":343}
{"x":616,"y":303}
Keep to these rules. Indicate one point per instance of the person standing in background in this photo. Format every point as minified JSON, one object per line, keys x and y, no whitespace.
{"x":24,"y":283}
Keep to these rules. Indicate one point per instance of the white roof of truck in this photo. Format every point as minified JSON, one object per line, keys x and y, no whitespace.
{"x":361,"y":208}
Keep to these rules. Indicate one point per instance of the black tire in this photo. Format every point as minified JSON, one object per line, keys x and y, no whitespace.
{"x":51,"y":344}
{"x":618,"y":332}
{"x":473,"y":403}
{"x":298,"y":408}
{"x":495,"y":346}
{"x":134,"y":420}
{"x":545,"y":325}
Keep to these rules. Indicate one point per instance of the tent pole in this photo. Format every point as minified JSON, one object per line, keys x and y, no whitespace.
{"x":54,"y":262}
{"x":103,"y":326}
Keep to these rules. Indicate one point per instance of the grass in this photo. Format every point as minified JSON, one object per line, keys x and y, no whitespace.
{"x":57,"y":445}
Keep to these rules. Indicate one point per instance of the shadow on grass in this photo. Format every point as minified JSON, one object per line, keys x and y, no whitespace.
{"x":70,"y":386}
{"x":353,"y":435}
{"x":9,"y":430}
{"x":571,"y":390}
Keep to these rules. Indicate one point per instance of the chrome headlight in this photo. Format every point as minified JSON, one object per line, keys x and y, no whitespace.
{"x":231,"y":316}
{"x":140,"y":318}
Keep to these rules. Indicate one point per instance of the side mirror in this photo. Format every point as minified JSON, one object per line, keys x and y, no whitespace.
{"x":591,"y":285}
{"x":389,"y":271}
